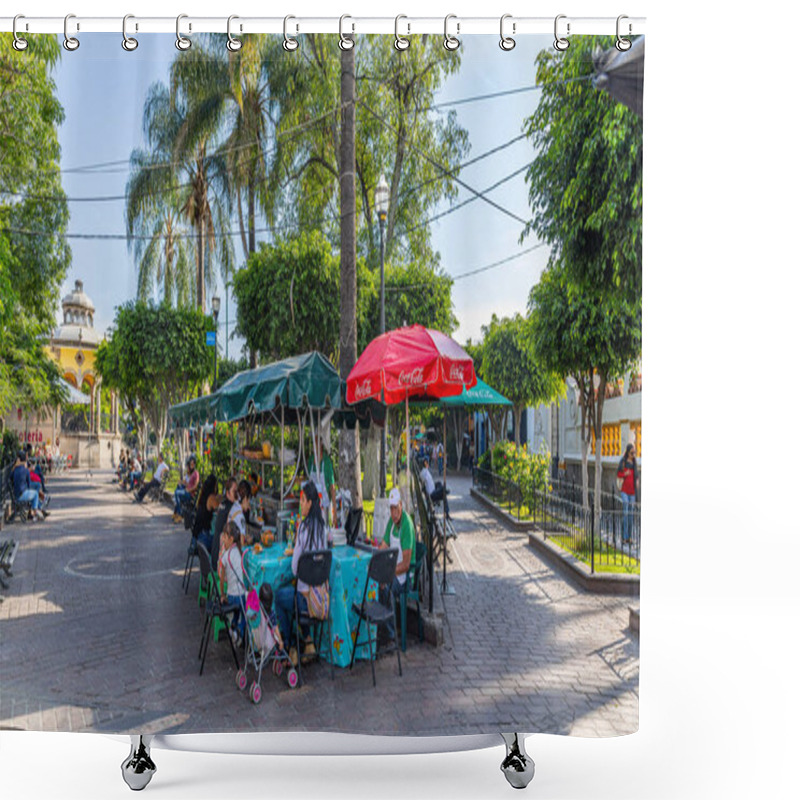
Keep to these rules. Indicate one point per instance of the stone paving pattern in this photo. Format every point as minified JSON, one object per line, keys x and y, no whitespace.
{"x":97,"y":635}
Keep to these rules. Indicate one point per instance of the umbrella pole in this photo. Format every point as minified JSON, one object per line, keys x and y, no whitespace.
{"x":446,"y":590}
{"x":281,"y":459}
{"x":408,"y":450}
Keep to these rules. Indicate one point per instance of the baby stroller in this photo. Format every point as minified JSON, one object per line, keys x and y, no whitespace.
{"x":264,"y":646}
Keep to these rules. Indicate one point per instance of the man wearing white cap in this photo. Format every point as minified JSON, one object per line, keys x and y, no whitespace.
{"x":399,"y":535}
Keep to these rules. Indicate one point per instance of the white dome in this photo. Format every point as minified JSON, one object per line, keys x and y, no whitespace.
{"x":76,"y":333}
{"x":78,"y":298}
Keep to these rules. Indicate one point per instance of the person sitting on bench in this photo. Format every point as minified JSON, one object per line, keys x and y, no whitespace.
{"x":186,"y":490}
{"x":24,"y":490}
{"x":435,"y":490}
{"x":158,"y":479}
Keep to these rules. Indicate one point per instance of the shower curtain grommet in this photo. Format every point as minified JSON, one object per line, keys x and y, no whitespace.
{"x":181,"y":42}
{"x":507,"y":43}
{"x":346,"y":42}
{"x":19,"y":43}
{"x":622,"y":44}
{"x":128,"y":42}
{"x":450,"y":42}
{"x":233,"y":44}
{"x":401,"y":44}
{"x":561,"y":43}
{"x":290,"y":44}
{"x":70,"y":42}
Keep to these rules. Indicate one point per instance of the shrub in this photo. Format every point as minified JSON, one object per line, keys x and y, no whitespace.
{"x":530,"y":471}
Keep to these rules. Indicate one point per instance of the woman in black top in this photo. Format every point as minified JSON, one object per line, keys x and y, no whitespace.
{"x":231,"y":496}
{"x":201,"y":530}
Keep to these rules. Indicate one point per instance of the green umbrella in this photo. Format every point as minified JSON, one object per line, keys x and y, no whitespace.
{"x":481,"y":394}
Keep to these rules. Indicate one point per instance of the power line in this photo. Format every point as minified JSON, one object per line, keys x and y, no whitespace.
{"x":469,"y":200}
{"x":444,"y":170}
{"x":471,"y":273}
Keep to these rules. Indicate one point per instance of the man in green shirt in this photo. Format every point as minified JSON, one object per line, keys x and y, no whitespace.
{"x":399,"y":535}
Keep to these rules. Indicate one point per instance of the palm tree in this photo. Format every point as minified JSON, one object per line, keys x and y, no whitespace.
{"x":160,"y":247}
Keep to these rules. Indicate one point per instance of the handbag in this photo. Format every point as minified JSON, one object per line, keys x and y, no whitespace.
{"x":319,"y":601}
{"x":620,"y":481}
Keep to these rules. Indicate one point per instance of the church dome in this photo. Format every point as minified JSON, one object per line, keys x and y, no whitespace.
{"x":78,"y":323}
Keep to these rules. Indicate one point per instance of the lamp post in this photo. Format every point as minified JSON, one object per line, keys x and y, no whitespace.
{"x":215,"y":309}
{"x":382,"y":208}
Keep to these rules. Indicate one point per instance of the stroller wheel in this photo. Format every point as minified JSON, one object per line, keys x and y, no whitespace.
{"x":255,"y":693}
{"x":277,"y":667}
{"x":293,"y":678}
{"x":241,"y":680}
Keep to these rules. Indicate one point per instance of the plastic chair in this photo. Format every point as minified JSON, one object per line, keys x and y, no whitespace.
{"x":314,"y":568}
{"x":215,"y":609}
{"x":352,"y":524}
{"x":381,"y":569}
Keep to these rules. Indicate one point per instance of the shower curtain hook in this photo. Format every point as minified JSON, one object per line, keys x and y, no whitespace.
{"x":346,"y":43}
{"x":506,"y":42}
{"x":560,"y":43}
{"x":622,"y":44}
{"x":290,"y":44}
{"x":400,"y":42}
{"x":19,"y":43}
{"x":70,"y":42}
{"x":181,"y":42}
{"x":450,"y":42}
{"x":128,"y":42}
{"x":233,"y":44}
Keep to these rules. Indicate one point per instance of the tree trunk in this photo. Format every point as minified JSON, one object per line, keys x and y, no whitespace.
{"x":370,"y":487}
{"x":517,"y":422}
{"x":349,"y":445}
{"x":251,"y":218}
{"x":600,"y":394}
{"x":201,"y":266}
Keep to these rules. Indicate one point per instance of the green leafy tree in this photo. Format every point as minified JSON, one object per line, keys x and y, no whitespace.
{"x":394,"y":121}
{"x":585,"y":185}
{"x":34,"y":256}
{"x":228,"y":367}
{"x":156,"y":357}
{"x":592,"y":336}
{"x":511,"y":366}
{"x":299,"y":311}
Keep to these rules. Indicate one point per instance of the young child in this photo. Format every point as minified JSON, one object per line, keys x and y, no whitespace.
{"x":264,"y":623}
{"x":231,"y":575}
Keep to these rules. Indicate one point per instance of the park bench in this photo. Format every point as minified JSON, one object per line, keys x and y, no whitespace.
{"x":8,"y":552}
{"x":11,"y":507}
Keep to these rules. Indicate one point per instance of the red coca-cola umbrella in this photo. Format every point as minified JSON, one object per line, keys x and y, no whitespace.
{"x":410,"y":362}
{"x":414,"y":362}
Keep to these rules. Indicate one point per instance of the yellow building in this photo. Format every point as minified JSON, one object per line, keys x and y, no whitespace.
{"x":81,"y":429}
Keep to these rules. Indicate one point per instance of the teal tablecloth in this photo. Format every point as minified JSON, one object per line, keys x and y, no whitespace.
{"x":348,"y":574}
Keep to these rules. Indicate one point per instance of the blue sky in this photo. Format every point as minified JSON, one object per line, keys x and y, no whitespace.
{"x":102,"y":89}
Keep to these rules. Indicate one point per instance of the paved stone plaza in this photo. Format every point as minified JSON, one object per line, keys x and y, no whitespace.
{"x":96,"y":634}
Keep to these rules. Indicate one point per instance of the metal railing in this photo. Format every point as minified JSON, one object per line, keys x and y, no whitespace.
{"x":616,"y":543}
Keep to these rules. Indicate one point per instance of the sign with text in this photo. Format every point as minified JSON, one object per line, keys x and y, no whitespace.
{"x":211,"y":338}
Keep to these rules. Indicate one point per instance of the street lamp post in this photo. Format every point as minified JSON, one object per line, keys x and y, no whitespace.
{"x":382,"y":208}
{"x":215,"y":309}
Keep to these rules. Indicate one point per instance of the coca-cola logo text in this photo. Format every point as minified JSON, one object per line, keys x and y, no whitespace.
{"x":363,"y":389}
{"x":411,"y":378}
{"x":456,"y":372}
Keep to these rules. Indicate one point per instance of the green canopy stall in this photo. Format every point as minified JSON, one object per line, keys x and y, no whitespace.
{"x":283,"y":392}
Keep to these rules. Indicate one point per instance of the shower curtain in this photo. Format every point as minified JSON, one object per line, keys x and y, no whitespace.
{"x":172,"y":217}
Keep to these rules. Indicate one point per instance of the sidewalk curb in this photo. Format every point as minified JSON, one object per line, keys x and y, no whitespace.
{"x":499,"y":511}
{"x":576,"y":569}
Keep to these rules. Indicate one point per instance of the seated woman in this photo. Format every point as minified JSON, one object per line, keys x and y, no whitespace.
{"x":310,"y":536}
{"x":186,"y":490}
{"x":207,"y":504}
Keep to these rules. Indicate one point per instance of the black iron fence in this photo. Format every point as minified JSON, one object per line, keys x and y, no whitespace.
{"x":561,"y":515}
